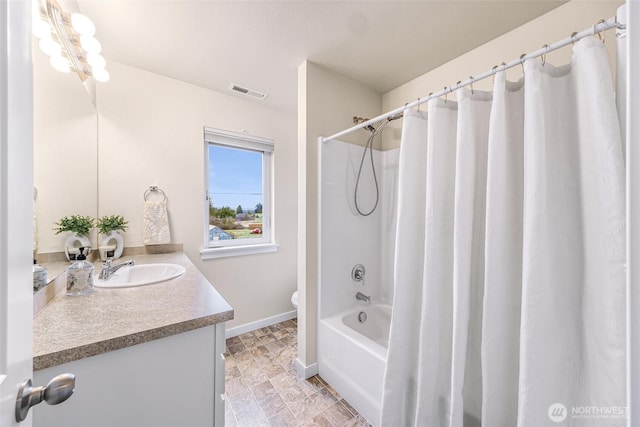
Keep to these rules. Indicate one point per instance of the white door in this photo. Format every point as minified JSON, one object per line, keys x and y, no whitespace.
{"x":16,"y":204}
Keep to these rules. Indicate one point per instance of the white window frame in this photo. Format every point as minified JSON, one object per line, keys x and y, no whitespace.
{"x":223,"y":248}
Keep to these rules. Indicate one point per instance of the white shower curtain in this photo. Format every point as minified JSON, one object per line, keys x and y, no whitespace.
{"x":509,"y":299}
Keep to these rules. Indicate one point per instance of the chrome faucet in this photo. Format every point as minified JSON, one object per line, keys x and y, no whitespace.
{"x":362,"y":297}
{"x":108,"y":269}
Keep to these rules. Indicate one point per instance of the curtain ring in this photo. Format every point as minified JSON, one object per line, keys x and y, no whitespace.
{"x":573,"y":35}
{"x":471,"y":84}
{"x":600,"y":33}
{"x":494,"y":71}
{"x":619,"y":26}
{"x":522,"y":61}
{"x":544,"y":55}
{"x":446,"y":93}
{"x":419,"y":105}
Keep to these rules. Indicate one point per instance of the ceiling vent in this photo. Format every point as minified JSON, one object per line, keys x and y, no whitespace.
{"x":247,"y":92}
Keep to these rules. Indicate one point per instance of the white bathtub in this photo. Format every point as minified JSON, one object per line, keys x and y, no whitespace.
{"x":352,"y":356}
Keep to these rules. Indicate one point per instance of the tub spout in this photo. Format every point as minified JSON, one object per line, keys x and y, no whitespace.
{"x":362,"y":297}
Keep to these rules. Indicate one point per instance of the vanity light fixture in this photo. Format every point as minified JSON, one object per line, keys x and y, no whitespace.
{"x":68,"y":40}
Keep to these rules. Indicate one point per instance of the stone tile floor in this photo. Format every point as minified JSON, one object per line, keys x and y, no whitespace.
{"x":262,"y":388}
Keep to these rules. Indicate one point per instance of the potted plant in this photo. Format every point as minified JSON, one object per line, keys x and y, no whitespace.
{"x":80,"y":226}
{"x":113,"y":244}
{"x":110,"y":223}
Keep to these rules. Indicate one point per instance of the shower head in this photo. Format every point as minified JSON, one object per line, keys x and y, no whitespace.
{"x":395,"y":116}
{"x":357,"y":120}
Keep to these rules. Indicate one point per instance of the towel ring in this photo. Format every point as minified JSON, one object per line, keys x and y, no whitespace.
{"x":153,"y":189}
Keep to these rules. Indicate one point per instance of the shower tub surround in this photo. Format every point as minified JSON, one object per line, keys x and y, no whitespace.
{"x":122,"y":342}
{"x":352,"y":351}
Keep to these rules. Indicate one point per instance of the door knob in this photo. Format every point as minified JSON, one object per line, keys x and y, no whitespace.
{"x":59,"y":389}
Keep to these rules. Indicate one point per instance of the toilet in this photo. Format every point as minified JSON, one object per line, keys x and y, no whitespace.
{"x":294,"y":300}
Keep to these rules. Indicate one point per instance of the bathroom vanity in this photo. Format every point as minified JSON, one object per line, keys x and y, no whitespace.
{"x":143,"y":356}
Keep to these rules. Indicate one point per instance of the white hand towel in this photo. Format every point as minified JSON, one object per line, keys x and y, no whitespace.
{"x":156,"y":223}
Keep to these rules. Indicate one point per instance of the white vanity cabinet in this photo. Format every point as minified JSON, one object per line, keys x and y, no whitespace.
{"x":173,"y":381}
{"x":143,"y":357}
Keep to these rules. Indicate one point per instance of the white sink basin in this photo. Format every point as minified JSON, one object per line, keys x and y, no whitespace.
{"x":140,"y":275}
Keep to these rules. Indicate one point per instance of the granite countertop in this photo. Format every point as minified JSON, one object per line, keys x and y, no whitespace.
{"x":73,"y":328}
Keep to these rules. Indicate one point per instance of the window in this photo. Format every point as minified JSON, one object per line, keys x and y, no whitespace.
{"x":238,"y":183}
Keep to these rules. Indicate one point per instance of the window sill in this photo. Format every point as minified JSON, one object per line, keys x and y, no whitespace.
{"x":228,"y":251}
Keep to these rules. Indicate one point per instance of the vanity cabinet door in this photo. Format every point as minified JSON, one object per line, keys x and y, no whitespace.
{"x":166,"y":382}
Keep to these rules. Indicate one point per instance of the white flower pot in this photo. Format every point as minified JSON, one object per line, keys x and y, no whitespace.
{"x":113,"y":238}
{"x":77,"y":241}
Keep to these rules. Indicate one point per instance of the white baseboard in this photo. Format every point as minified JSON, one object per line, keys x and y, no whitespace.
{"x":248,"y":327}
{"x":306,"y":371}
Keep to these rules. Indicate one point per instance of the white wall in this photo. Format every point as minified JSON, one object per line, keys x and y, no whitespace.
{"x":151,"y":133}
{"x":558,"y":24}
{"x":327,"y":103}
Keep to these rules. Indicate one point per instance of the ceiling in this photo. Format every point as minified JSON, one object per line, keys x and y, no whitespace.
{"x":260,"y":44}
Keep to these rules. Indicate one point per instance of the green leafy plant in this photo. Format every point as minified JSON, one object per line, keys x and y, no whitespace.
{"x":78,"y":224}
{"x":109,"y":223}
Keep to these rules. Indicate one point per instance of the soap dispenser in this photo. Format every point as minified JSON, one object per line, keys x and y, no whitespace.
{"x":80,"y":276}
{"x":39,"y":276}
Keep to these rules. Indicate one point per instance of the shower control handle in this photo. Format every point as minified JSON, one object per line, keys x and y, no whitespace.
{"x":357,"y":273}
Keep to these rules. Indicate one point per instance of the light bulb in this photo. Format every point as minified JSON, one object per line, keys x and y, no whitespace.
{"x":96,"y":60}
{"x":90,"y":44}
{"x":50,"y":47}
{"x":60,"y":63}
{"x":83,"y":25}
{"x":41,"y":29}
{"x":101,"y":75}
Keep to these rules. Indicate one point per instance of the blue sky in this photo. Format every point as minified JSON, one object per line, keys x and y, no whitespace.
{"x":235,"y":177}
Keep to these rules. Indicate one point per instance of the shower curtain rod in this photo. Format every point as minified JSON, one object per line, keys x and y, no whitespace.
{"x":597,"y":28}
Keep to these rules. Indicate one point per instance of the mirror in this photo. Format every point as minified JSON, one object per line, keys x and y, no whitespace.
{"x":65,"y":123}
